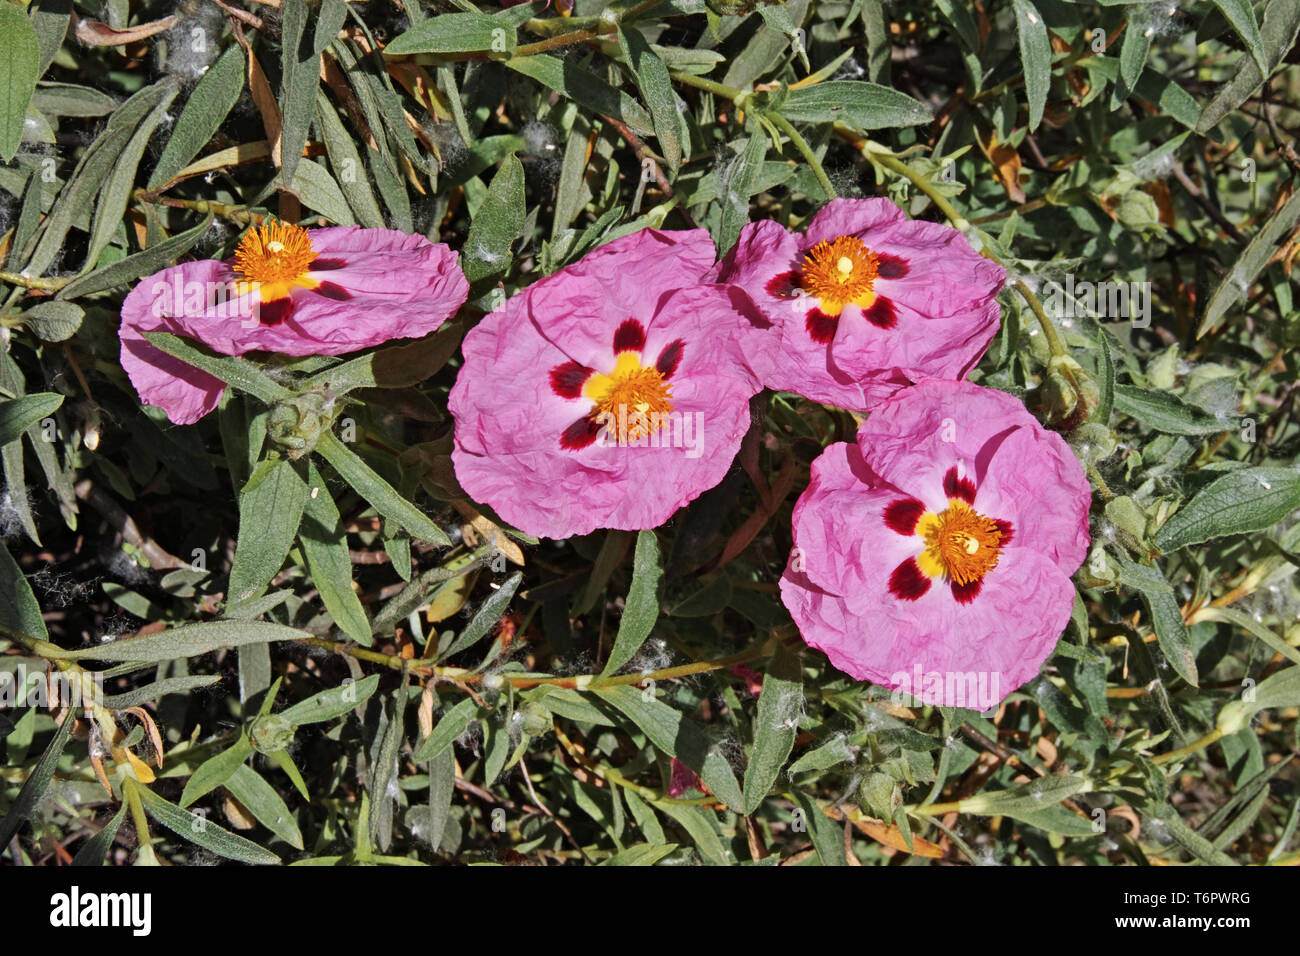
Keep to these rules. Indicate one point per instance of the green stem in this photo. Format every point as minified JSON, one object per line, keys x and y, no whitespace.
{"x":801,"y":144}
{"x":1191,"y":748}
{"x":34,"y":282}
{"x":601,"y":28}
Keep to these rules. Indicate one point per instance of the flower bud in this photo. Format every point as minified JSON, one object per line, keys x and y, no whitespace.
{"x":296,"y":423}
{"x":271,"y":733}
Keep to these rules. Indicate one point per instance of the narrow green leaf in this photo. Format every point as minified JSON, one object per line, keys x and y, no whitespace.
{"x":325,"y":548}
{"x":486,"y":617}
{"x":450,"y":726}
{"x":20,"y":414}
{"x":378,"y":492}
{"x":1165,"y":412}
{"x":642,"y":607}
{"x":261,"y":800}
{"x":201,"y":831}
{"x":270,"y":511}
{"x":19,"y":69}
{"x":239,"y":372}
{"x":1242,"y":18}
{"x":205,"y":110}
{"x":1247,"y":499}
{"x":677,"y":736}
{"x":146,"y":262}
{"x":317,"y":189}
{"x":643,"y":854}
{"x":95,"y":850}
{"x":775,"y":726}
{"x":568,"y":78}
{"x":656,"y":88}
{"x":216,"y":770}
{"x":1035,"y":58}
{"x":1277,"y":34}
{"x":827,"y":838}
{"x":33,"y":787}
{"x":188,"y":641}
{"x":498,"y":222}
{"x":1252,"y":261}
{"x":455,"y":33}
{"x":856,"y":104}
{"x":333,"y":703}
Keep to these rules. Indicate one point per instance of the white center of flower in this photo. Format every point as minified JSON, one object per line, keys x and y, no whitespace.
{"x":274,"y":246}
{"x":845,"y":265}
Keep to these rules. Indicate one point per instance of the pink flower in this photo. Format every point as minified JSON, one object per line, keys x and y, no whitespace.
{"x":290,"y":290}
{"x":865,"y":301}
{"x":934,"y":556}
{"x":684,"y":780}
{"x":606,"y":395}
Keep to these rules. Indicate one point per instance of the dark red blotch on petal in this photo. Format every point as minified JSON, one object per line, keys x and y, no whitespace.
{"x":1008,"y":532}
{"x":965,"y":593}
{"x":955,"y":486}
{"x":891,"y":267}
{"x":567,"y":379}
{"x":908,"y":582}
{"x":903,"y":514}
{"x":275,"y":311}
{"x":670,"y":358}
{"x":881,"y":313}
{"x":580,"y":434}
{"x":783,"y":285}
{"x":821,"y":326}
{"x":630,"y":337}
{"x":332,"y":290}
{"x":320,"y":264}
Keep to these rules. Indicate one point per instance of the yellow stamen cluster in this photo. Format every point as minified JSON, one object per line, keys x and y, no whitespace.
{"x":960,"y":543}
{"x":636,"y":387}
{"x":275,"y":253}
{"x":839,"y":271}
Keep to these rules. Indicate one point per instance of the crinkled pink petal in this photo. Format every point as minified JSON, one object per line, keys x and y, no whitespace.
{"x":940,"y":293}
{"x":381,"y":285}
{"x":510,"y":420}
{"x":852,"y":584}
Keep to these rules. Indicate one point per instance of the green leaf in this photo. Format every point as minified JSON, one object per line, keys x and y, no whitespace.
{"x":270,"y":510}
{"x":677,"y":736}
{"x":188,"y":641}
{"x":205,"y":110}
{"x":1105,"y":381}
{"x":1252,"y":261}
{"x":856,"y":104}
{"x":1035,"y":58}
{"x":378,"y":492}
{"x":570,"y":79}
{"x":348,"y":166}
{"x":396,"y":366}
{"x":486,"y":617}
{"x":158,"y":256}
{"x":317,"y":189}
{"x":200,"y":831}
{"x":1132,"y":56}
{"x":332,"y":703}
{"x":1242,"y":18}
{"x":95,"y":850}
{"x":325,"y":548}
{"x":656,"y":88}
{"x":498,"y":222}
{"x":642,"y":607}
{"x":1166,"y":616}
{"x":53,"y":321}
{"x":1277,"y":34}
{"x":703,"y":833}
{"x":34,"y":786}
{"x":19,"y":69}
{"x":239,"y":372}
{"x":1026,"y":798}
{"x":216,"y":770}
{"x":297,"y":89}
{"x":20,"y":414}
{"x":643,"y":854}
{"x":450,"y":726}
{"x":261,"y":800}
{"x":152,"y":691}
{"x":1165,"y":412}
{"x":827,"y":837}
{"x":775,"y":726}
{"x":1246,"y":499}
{"x":455,"y":33}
